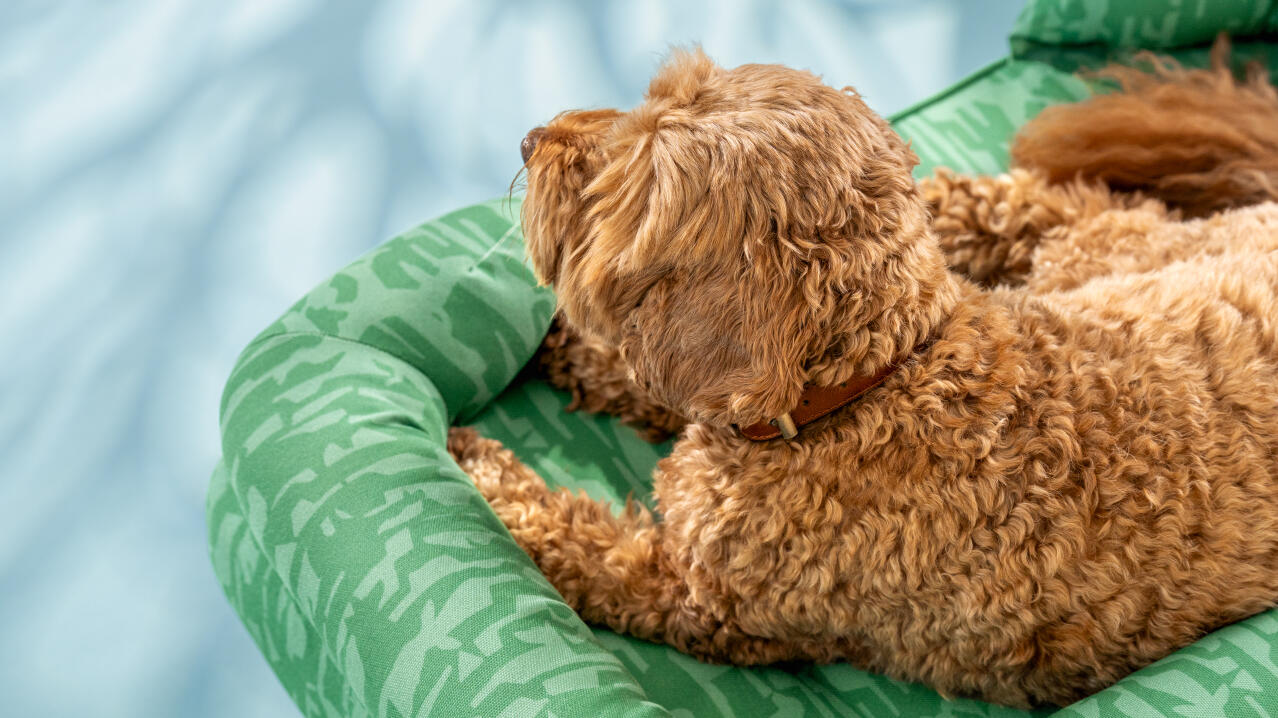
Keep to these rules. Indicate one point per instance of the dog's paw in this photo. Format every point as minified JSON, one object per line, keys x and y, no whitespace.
{"x":465,"y":443}
{"x":496,"y":471}
{"x":479,"y":457}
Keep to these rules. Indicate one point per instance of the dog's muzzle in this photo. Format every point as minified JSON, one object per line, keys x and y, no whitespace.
{"x":530,"y":143}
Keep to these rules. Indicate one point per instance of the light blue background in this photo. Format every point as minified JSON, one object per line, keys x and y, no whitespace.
{"x":174,"y":174}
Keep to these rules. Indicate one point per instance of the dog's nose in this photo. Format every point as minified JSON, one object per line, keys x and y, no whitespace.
{"x":530,"y":142}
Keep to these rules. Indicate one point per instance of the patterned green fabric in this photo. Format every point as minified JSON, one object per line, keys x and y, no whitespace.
{"x":967,"y":128}
{"x":377,"y":581}
{"x":374,"y":577}
{"x":1150,"y":24}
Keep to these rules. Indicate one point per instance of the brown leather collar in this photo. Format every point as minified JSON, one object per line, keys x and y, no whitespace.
{"x":818,"y":401}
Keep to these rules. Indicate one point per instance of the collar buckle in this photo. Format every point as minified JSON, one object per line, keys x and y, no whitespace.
{"x":785,"y":424}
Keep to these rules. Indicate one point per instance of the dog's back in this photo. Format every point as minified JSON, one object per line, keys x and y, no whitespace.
{"x":1173,"y":330}
{"x":1205,"y":146}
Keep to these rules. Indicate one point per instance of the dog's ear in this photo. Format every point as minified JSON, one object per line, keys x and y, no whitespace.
{"x":700,"y":347}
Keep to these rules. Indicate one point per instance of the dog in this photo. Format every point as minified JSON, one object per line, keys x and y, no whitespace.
{"x":1012,"y":437}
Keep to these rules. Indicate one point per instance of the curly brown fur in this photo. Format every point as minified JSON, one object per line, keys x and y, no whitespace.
{"x":1076,"y":476}
{"x":597,"y":378}
{"x":990,"y":227}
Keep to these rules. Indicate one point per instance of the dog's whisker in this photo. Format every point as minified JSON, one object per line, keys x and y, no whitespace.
{"x":518,"y":183}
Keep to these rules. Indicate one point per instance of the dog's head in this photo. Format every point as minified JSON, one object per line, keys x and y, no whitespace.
{"x":738,"y":234}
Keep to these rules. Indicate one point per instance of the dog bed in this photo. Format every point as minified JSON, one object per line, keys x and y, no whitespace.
{"x":376,"y":580}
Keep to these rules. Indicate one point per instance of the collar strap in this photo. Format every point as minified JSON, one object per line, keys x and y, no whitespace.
{"x":816,"y":402}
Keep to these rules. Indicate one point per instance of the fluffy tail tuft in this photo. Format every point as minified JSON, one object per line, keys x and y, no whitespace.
{"x":1199,"y":140}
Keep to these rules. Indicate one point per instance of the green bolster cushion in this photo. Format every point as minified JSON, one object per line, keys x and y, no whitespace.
{"x":376,"y":580}
{"x":1138,"y":24}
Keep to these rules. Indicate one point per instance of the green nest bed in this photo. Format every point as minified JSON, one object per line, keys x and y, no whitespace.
{"x":377,"y":581}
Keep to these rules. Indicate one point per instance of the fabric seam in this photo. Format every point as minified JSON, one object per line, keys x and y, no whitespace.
{"x":951,"y":90}
{"x":296,"y":333}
